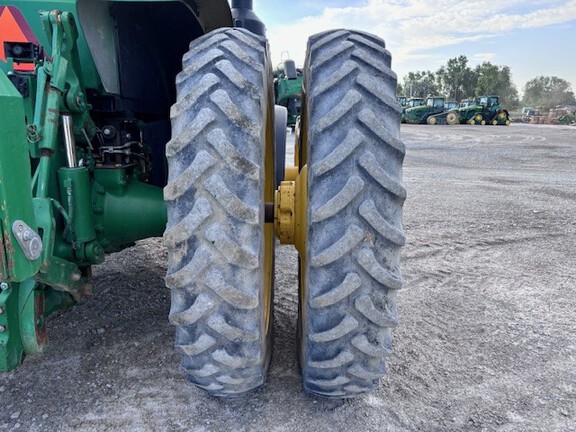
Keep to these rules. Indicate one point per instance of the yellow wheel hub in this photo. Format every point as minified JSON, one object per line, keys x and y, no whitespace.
{"x":290,"y":210}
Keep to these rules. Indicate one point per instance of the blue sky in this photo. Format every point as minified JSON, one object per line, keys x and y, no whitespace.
{"x":532,"y":37}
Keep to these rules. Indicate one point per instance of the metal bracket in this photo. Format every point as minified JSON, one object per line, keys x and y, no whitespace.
{"x":28,"y":239}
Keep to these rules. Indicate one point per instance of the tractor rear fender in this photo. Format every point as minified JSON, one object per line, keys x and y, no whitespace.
{"x":130,"y":41}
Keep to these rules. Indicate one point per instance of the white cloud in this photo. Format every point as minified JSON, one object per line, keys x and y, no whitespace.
{"x":412,"y":28}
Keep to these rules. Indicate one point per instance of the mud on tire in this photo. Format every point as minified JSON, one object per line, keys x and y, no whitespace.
{"x":354,"y":216}
{"x":215,"y":235}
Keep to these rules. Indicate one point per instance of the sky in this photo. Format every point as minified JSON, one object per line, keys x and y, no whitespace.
{"x":532,"y":37}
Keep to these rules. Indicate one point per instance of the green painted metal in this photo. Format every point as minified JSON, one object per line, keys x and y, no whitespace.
{"x":288,"y":93}
{"x":11,"y":347}
{"x":32,"y":317}
{"x":80,"y":212}
{"x":126,"y":210}
{"x":420,"y":114}
{"x":77,"y":202}
{"x":15,"y":184}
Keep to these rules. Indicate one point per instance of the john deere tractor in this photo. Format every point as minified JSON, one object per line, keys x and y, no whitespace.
{"x":432,"y":112}
{"x":483,"y":110}
{"x":124,"y":119}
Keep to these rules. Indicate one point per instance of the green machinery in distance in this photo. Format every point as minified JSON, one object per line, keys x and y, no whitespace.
{"x":406,"y":103}
{"x":483,"y":110}
{"x":425,"y":113}
{"x":288,"y":90}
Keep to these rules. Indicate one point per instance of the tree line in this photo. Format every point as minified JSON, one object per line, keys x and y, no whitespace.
{"x":456,"y":80}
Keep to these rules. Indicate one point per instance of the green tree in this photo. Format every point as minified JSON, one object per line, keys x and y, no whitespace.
{"x":399,"y":89}
{"x":546,"y":92}
{"x":457,"y":80}
{"x":420,"y":84}
{"x":496,"y":80}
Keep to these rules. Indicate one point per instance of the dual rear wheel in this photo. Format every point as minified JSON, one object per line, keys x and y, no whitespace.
{"x":221,"y":184}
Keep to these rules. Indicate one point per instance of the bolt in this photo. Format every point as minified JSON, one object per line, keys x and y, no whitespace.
{"x":27,"y":235}
{"x":1,"y":310}
{"x":3,"y":328}
{"x":35,"y":248}
{"x":75,"y":277}
{"x":3,"y":286}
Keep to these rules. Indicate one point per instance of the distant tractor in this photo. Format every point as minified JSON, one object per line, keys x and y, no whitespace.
{"x":451,"y":105}
{"x":433,"y":112}
{"x":420,"y":112}
{"x":414,"y":102}
{"x":402,"y":100}
{"x":484,"y":110}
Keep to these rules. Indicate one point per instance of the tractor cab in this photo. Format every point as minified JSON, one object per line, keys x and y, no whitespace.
{"x":465,"y":103}
{"x":489,"y":101}
{"x":414,"y":102}
{"x":435,"y":102}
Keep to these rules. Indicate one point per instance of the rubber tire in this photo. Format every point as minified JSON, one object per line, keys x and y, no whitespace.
{"x":215,"y":198}
{"x":354,"y":214}
{"x":432,"y":120}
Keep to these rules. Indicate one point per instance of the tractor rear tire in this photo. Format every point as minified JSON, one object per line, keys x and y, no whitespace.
{"x":351,"y":269}
{"x":220,"y":251}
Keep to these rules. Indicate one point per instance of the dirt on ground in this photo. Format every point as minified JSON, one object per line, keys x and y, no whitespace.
{"x":487,"y":338}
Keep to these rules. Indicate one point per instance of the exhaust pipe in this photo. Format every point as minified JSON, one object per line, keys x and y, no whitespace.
{"x":244,"y":17}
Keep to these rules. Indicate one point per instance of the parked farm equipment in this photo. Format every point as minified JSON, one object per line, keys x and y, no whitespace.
{"x":484,"y":110}
{"x":115,"y":128}
{"x":432,"y":112}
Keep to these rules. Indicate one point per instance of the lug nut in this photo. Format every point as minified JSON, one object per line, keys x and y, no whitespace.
{"x":3,"y":328}
{"x":1,"y":310}
{"x":3,"y":286}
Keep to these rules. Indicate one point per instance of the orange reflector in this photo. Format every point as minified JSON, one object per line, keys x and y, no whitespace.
{"x":14,"y":28}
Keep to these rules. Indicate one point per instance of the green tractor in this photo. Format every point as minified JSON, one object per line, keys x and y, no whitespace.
{"x":411,"y":103}
{"x":483,"y":110}
{"x":288,"y":90}
{"x":433,"y":112}
{"x":124,"y":119}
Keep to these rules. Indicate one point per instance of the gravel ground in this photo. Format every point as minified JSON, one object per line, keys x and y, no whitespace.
{"x":487,"y":339}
